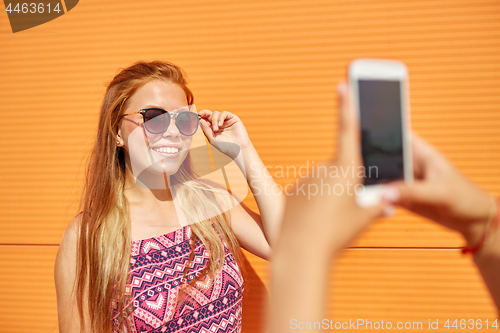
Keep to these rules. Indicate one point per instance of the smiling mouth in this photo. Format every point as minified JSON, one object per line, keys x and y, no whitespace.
{"x":166,"y":150}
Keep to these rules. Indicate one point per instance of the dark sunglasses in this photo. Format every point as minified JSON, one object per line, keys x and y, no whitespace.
{"x":157,"y":120}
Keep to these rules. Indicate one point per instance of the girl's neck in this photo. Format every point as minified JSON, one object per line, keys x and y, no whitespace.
{"x":148,"y":187}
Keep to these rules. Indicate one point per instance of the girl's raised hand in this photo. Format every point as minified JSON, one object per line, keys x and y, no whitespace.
{"x":224,"y":127}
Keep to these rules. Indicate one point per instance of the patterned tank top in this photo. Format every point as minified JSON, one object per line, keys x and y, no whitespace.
{"x":156,"y":272}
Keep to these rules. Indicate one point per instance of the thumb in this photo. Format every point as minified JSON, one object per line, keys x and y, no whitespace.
{"x":410,"y":195}
{"x":205,"y":126}
{"x":381,"y":210}
{"x":366,"y":215}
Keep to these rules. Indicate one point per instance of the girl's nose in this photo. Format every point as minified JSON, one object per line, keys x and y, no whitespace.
{"x":172,"y":129}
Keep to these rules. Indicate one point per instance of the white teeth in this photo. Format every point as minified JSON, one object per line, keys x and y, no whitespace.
{"x":168,"y":150}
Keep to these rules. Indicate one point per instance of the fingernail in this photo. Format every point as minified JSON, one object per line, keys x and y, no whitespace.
{"x":220,"y":123}
{"x":215,"y":127}
{"x":390,"y":193}
{"x":389,"y":211}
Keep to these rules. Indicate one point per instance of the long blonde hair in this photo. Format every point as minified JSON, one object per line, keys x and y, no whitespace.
{"x":104,"y":242}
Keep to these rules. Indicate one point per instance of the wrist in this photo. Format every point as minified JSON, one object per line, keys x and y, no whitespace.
{"x":479,"y":232}
{"x":474,"y":232}
{"x":301,"y":257}
{"x":247,"y":148}
{"x":477,"y":213}
{"x":322,"y":251}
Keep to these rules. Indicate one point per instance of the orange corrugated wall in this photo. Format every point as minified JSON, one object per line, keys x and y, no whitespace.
{"x":275,"y":64}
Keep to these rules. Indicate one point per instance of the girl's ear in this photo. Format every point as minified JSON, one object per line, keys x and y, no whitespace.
{"x":119,"y":139}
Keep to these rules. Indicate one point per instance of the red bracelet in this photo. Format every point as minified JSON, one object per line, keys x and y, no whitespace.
{"x":491,"y":226}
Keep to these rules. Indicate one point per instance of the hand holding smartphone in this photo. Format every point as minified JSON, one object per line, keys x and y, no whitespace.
{"x":381,"y":99}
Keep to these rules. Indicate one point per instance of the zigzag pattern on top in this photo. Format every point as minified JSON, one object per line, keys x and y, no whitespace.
{"x":157,"y":273}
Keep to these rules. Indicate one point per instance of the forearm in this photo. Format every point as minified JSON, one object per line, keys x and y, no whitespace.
{"x":267,"y":194}
{"x":487,"y":261}
{"x":298,"y":291}
{"x":483,"y":240}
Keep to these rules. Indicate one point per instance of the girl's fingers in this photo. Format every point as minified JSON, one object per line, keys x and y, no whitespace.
{"x":215,"y":120}
{"x":415,"y":194}
{"x":376,"y":211}
{"x":205,"y":126}
{"x":212,"y":118}
{"x":223,"y":116}
{"x":350,"y":145}
{"x":205,"y":113}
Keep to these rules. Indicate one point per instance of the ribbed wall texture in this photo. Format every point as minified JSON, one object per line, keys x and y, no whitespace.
{"x":276,"y":64}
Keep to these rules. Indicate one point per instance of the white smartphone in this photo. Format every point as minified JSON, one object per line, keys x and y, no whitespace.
{"x":380,"y":96}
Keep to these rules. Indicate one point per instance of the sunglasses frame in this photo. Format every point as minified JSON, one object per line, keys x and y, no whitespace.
{"x":170,"y":115}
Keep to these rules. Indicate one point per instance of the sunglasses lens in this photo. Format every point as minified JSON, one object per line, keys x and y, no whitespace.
{"x":187,"y":123}
{"x":156,"y":121}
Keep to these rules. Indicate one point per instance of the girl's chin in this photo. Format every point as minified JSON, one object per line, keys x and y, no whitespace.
{"x":155,"y":177}
{"x":153,"y":174}
{"x":162,"y":169}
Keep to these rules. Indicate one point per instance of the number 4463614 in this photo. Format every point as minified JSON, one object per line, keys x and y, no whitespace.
{"x":31,"y":8}
{"x":471,"y":324}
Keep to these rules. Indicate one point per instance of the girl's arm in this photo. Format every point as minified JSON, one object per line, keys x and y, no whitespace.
{"x":268,"y":195}
{"x":441,"y":193}
{"x":64,"y":276}
{"x":256,"y":233}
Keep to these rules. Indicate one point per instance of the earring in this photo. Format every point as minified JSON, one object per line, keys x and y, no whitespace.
{"x":118,"y":143}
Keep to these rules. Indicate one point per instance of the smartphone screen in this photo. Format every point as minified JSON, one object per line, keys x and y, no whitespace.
{"x":380,"y":110}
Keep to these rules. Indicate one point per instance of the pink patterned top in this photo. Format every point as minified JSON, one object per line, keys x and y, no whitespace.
{"x":156,"y":269}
